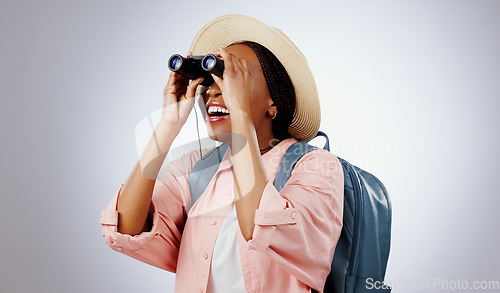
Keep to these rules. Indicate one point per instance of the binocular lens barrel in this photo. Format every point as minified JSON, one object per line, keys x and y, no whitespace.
{"x":175,"y":62}
{"x":208,"y":62}
{"x":213,"y":65}
{"x":194,"y":67}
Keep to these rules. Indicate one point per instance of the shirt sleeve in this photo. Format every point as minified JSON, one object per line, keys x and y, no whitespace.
{"x":299,"y":226}
{"x":160,"y":246}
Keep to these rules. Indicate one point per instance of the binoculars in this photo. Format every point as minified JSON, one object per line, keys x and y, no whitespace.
{"x":194,"y":67}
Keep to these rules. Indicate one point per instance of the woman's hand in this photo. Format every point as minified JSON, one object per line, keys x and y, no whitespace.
{"x":235,"y":84}
{"x":178,"y":99}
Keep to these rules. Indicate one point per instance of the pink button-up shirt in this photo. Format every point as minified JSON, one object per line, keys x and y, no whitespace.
{"x":296,"y":229}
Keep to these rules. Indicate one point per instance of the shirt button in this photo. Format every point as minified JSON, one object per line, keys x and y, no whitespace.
{"x":213,"y":222}
{"x":293,"y":215}
{"x":229,"y":194}
{"x":201,"y":291}
{"x":205,"y":255}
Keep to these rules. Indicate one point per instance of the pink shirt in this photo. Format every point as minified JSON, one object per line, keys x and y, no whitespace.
{"x":296,"y":229}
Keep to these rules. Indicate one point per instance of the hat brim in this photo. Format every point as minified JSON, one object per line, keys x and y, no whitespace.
{"x":233,"y":28}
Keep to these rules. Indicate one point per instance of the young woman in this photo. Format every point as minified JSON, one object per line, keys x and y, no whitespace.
{"x":241,"y":235}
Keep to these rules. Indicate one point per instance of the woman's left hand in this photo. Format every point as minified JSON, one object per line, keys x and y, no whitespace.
{"x":235,"y":84}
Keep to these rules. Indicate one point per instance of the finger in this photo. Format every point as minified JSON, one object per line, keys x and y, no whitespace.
{"x":176,"y":88}
{"x":228,"y":63}
{"x":195,"y":82}
{"x":179,"y":89}
{"x":245,"y":66}
{"x":191,"y":89}
{"x":218,"y":54}
{"x":218,"y":81}
{"x":241,"y":66}
{"x":238,"y":64}
{"x":172,"y":92}
{"x":171,"y":78}
{"x":175,"y":78}
{"x":189,"y":53}
{"x":171,"y":87}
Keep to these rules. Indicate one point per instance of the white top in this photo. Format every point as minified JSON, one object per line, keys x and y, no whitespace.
{"x":225,"y":273}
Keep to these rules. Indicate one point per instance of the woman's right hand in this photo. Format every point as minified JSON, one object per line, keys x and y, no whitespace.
{"x":178,"y":99}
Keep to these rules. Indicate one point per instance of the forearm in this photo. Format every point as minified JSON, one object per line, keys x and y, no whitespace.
{"x":248,"y":170}
{"x":134,"y":200}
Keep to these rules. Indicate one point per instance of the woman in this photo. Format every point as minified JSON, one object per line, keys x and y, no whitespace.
{"x":242,"y":235}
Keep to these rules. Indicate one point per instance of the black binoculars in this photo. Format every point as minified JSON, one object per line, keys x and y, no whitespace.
{"x":194,"y":67}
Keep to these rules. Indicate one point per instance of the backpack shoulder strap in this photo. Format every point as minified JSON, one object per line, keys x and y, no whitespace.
{"x":205,"y":168}
{"x":292,"y":156}
{"x":203,"y":171}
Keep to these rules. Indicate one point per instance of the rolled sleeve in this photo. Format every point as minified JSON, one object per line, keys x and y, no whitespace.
{"x":117,"y":240}
{"x":299,"y":226}
{"x":160,"y":246}
{"x":273,"y":210}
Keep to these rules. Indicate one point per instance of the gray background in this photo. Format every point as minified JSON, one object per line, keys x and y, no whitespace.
{"x":409,"y":91}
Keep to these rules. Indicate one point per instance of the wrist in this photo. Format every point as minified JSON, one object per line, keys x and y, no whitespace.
{"x":156,"y":149}
{"x":168,"y":128}
{"x":240,"y":114}
{"x":162,"y":137}
{"x":241,"y":120}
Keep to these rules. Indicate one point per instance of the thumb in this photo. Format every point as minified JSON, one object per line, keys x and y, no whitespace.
{"x":218,"y":80}
{"x":193,"y":84}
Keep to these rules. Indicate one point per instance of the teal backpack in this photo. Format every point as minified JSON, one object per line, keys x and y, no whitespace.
{"x":360,"y":258}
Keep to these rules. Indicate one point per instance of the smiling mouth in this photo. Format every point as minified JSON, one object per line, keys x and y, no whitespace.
{"x":217,"y":112}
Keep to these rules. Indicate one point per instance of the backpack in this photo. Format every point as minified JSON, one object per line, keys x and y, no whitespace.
{"x":360,"y":258}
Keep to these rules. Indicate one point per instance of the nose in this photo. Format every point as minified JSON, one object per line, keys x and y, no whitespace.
{"x":212,"y":92}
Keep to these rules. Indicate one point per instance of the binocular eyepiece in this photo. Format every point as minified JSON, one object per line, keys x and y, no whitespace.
{"x":194,"y":67}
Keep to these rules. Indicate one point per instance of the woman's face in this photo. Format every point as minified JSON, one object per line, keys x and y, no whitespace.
{"x":260,"y":100}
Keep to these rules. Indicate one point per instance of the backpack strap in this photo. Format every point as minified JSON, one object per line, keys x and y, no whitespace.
{"x":292,"y":156}
{"x":203,"y":171}
{"x":205,"y":168}
{"x":327,"y":142}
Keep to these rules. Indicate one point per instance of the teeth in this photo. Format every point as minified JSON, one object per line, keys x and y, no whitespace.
{"x":217,"y":109}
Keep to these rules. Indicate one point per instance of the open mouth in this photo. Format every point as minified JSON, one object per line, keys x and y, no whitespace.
{"x":216,"y":113}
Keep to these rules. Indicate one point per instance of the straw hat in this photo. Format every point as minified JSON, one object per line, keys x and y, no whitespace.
{"x":232,"y":28}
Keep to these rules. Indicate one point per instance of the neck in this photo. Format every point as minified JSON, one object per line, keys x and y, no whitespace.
{"x":266,"y":145}
{"x":265,"y":136}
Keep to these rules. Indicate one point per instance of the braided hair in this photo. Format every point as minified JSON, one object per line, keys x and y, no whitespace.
{"x":280,"y":88}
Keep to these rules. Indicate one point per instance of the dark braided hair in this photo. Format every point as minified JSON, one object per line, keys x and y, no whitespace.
{"x":280,"y":88}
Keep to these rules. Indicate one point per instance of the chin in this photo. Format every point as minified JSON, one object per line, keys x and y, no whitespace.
{"x":222,"y":134}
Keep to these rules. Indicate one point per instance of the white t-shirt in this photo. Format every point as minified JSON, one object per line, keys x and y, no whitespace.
{"x":225,"y":272}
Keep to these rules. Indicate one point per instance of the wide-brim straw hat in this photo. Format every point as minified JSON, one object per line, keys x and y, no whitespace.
{"x":233,"y":28}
